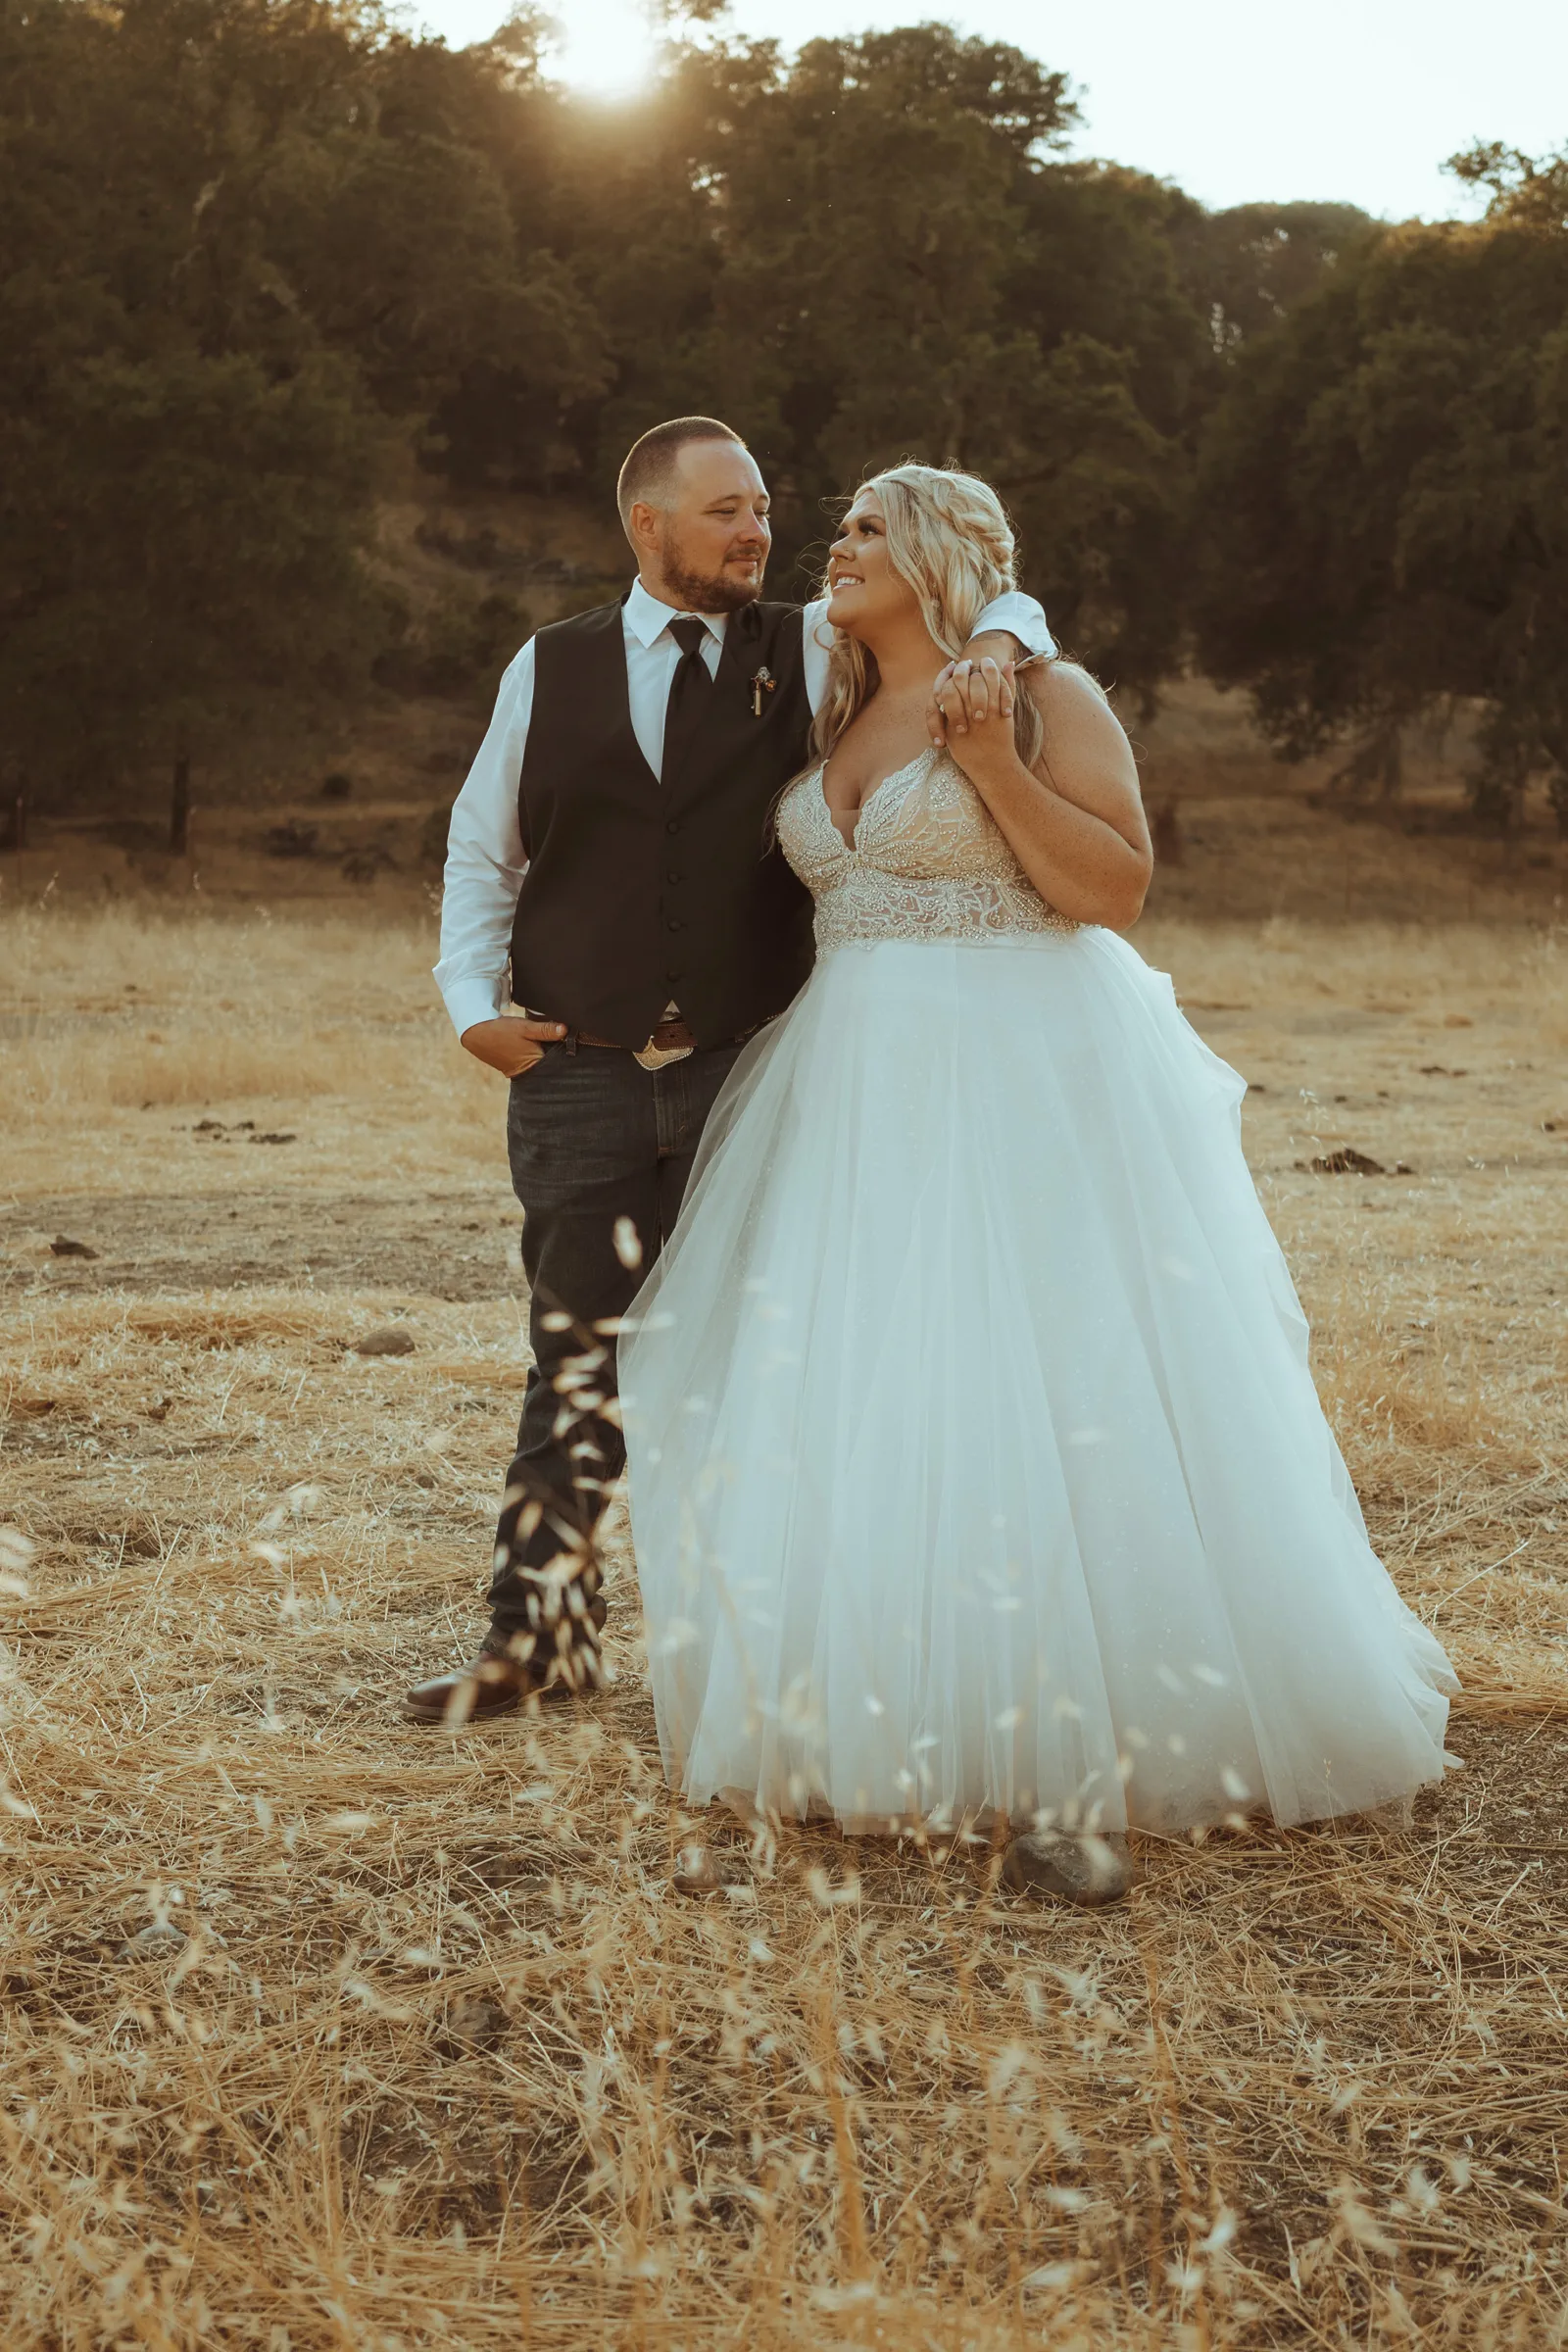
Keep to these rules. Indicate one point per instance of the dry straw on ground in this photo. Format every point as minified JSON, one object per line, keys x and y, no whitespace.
{"x":322,"y":2030}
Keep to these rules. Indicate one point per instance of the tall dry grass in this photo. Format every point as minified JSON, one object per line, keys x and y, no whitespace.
{"x":320,"y":2031}
{"x":146,"y":1006}
{"x":1435,"y":972}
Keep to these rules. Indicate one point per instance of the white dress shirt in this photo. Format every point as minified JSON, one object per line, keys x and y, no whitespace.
{"x":485,"y":860}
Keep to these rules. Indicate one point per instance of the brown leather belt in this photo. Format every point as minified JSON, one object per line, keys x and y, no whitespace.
{"x":670,"y":1042}
{"x":669,"y":1037}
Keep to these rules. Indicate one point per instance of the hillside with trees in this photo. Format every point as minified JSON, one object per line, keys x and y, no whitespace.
{"x":263,"y":261}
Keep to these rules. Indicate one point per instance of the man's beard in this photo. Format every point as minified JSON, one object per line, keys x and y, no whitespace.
{"x":703,"y":592}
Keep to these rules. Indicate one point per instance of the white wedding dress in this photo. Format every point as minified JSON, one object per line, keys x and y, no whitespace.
{"x":976,"y":1468}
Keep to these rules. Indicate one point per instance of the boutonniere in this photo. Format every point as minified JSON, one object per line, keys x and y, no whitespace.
{"x":763,"y":683}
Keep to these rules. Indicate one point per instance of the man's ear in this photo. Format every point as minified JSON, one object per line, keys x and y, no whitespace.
{"x":642,"y":527}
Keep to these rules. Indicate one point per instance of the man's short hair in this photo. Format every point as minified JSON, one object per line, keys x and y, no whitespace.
{"x":651,"y":462}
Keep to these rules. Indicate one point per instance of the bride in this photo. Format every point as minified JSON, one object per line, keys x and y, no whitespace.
{"x":977,"y":1474}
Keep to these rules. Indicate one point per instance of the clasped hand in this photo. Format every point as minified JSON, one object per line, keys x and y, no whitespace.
{"x":970,"y":712}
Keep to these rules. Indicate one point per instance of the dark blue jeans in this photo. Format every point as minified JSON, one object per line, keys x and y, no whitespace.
{"x":593,"y":1139}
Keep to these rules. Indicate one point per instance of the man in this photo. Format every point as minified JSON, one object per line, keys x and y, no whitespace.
{"x":609,"y":848}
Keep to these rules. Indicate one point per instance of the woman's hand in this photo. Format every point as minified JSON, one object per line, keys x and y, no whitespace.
{"x":1074,"y":822}
{"x":964,"y":675}
{"x":975,"y":701}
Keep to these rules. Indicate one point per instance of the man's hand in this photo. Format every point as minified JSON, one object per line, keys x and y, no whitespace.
{"x":511,"y":1044}
{"x":965,"y":690}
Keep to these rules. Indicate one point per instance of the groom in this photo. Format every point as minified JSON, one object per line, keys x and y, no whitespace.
{"x":613,"y":931}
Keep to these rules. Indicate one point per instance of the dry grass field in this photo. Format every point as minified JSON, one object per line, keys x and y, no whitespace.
{"x":319,"y":2029}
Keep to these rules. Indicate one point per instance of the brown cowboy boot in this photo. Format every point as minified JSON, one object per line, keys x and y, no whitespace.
{"x":511,"y":1669}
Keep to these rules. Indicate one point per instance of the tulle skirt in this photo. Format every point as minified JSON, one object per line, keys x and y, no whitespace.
{"x":976,"y":1467}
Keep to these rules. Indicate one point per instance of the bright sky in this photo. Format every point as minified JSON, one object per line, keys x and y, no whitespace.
{"x":1359,"y":100}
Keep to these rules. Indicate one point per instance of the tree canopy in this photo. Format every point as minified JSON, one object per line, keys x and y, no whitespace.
{"x":251,"y":250}
{"x":1383,"y":494}
{"x":245,"y":243}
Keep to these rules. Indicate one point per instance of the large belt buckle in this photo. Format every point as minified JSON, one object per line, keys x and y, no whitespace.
{"x":657,"y":1057}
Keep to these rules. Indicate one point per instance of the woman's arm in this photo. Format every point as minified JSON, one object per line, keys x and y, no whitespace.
{"x":1075,"y":824}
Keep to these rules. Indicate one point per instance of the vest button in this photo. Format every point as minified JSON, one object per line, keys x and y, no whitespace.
{"x":672,"y":825}
{"x":672,"y":876}
{"x":674,"y":924}
{"x":678,"y":973}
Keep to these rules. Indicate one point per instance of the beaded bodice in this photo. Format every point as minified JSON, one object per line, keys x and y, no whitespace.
{"x":929,"y":861}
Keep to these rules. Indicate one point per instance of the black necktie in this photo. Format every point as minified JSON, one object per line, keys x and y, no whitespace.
{"x":691,"y":690}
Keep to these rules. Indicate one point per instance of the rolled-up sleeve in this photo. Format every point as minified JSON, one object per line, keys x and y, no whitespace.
{"x":816,"y":641}
{"x":1023,"y":615}
{"x":485,"y":860}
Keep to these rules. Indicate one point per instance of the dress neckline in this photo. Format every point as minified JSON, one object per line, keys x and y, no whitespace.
{"x":852,"y":847}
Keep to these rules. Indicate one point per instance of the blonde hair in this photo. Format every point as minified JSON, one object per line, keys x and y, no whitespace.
{"x":949,"y":539}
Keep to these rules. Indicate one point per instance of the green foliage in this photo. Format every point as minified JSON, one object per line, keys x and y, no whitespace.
{"x":1528,"y":192}
{"x":1384,"y":488}
{"x":871,"y":253}
{"x":180,"y":529}
{"x":458,"y":646}
{"x":868,"y":255}
{"x":249,"y":245}
{"x":1252,"y":265}
{"x":250,"y":249}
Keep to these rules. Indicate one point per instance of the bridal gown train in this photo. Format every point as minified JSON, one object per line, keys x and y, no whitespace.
{"x":976,"y":1467}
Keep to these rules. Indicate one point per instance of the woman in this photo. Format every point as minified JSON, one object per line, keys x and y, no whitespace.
{"x":976,"y":1468}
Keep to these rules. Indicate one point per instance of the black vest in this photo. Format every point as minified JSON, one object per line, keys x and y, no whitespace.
{"x":639,"y":892}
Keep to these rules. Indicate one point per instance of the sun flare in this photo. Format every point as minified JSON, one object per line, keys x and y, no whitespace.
{"x":607,"y":47}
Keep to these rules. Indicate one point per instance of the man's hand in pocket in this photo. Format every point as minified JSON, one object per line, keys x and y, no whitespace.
{"x":511,"y":1044}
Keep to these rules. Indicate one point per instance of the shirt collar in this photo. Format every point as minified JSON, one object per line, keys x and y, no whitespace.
{"x":647,"y":618}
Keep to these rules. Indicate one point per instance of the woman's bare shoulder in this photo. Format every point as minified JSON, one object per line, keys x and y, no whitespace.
{"x":1074,"y":707}
{"x":1068,"y":688}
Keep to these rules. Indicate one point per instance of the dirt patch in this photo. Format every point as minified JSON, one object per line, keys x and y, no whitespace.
{"x":457,"y":1247}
